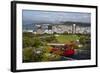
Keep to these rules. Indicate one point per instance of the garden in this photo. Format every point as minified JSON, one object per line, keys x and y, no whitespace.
{"x":55,"y":47}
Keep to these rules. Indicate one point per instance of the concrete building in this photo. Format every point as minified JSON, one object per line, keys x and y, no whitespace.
{"x":62,"y":28}
{"x":73,"y":28}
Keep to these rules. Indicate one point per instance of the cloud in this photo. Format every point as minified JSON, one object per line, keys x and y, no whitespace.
{"x":33,"y":16}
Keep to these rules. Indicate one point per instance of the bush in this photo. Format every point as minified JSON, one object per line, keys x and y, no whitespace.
{"x":28,"y":55}
{"x":27,"y":34}
{"x":84,"y":40}
{"x":50,"y":39}
{"x":37,"y":42}
{"x":27,"y":42}
{"x":65,"y":33}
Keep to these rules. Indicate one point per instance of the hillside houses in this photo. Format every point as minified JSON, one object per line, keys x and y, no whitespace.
{"x":70,"y":28}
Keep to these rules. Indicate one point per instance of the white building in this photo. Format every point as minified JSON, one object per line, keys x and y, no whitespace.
{"x":61,"y":28}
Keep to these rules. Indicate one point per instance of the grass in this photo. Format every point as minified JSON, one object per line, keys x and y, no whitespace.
{"x":66,"y":38}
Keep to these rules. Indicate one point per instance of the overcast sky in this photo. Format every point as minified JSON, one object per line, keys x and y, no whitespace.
{"x":33,"y":16}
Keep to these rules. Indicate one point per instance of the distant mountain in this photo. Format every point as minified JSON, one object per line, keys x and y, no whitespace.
{"x":77,"y":23}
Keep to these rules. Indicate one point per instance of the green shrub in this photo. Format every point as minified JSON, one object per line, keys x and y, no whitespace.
{"x":28,"y":55}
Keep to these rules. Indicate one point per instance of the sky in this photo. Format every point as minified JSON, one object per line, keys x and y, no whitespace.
{"x":35,"y":17}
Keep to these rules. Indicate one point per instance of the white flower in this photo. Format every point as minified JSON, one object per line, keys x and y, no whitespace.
{"x":38,"y":52}
{"x":80,"y":45}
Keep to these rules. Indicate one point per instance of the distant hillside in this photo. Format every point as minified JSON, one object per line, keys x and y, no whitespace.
{"x":77,"y":23}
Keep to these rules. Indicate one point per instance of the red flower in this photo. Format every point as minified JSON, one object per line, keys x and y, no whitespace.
{"x":69,"y":52}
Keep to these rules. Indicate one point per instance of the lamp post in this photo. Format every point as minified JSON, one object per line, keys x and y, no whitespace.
{"x":74,"y":28}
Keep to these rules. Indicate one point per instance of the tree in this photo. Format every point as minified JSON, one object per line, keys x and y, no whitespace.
{"x":49,"y":27}
{"x":50,"y":39}
{"x":27,"y":42}
{"x":37,"y":42}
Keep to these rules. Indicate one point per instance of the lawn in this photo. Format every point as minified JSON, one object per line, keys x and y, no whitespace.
{"x":67,"y":38}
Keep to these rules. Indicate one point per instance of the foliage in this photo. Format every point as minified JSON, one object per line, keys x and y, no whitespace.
{"x":37,"y":42}
{"x":84,"y":39}
{"x":27,"y":42}
{"x":55,"y":33}
{"x":50,"y":57}
{"x":27,"y":34}
{"x":57,"y":51}
{"x":35,"y":48}
{"x":49,"y":27}
{"x":28,"y":55}
{"x":49,"y":39}
{"x":65,"y":33}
